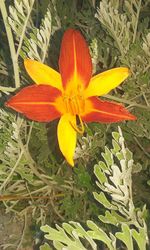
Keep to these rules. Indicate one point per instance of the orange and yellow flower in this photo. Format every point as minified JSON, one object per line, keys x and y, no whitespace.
{"x":70,"y":95}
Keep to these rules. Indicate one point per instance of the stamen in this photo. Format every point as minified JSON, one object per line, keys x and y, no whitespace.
{"x":71,"y":107}
{"x":74,"y":104}
{"x":78,"y":128}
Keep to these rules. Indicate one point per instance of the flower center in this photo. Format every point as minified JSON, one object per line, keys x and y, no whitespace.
{"x":75,"y":105}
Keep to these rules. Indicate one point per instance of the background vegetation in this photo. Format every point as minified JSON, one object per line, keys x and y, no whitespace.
{"x":36,"y":184}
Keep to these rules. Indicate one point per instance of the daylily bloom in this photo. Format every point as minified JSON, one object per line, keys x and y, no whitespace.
{"x":70,"y":95}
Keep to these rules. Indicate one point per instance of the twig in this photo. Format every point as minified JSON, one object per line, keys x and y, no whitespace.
{"x":23,"y":232}
{"x":126,"y":102}
{"x":147,"y":67}
{"x":147,"y":103}
{"x":56,"y":211}
{"x":141,"y":147}
{"x":27,"y":197}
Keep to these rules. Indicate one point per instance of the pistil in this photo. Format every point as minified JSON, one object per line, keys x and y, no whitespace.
{"x":79,"y":128}
{"x":74,"y":104}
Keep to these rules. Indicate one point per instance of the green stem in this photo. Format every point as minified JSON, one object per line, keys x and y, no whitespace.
{"x":24,"y":30}
{"x":127,"y":102}
{"x":11,"y":43}
{"x":29,"y":134}
{"x":12,"y":171}
{"x":136,"y":24}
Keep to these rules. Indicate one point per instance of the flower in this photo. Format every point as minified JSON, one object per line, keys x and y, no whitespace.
{"x":70,"y":95}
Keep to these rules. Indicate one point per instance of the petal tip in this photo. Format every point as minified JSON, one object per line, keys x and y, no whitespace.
{"x":8,"y":103}
{"x":27,"y":61}
{"x":126,"y":71}
{"x":132,"y":117}
{"x":71,"y":162}
{"x":67,"y":137}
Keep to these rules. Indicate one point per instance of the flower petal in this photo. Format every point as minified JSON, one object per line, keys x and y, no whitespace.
{"x":36,"y":102}
{"x":105,"y":112}
{"x":102,"y":83}
{"x":43,"y":74}
{"x":67,"y":137}
{"x":74,"y":62}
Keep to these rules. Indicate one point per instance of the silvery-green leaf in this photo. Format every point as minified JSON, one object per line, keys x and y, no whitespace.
{"x":45,"y":247}
{"x":101,"y":198}
{"x":126,"y":236}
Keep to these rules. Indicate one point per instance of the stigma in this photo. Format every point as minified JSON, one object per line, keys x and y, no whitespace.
{"x":75,"y":105}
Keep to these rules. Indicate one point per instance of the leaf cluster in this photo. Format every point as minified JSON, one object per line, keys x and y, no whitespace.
{"x":114,"y":178}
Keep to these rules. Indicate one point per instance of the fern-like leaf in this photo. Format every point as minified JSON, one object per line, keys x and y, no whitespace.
{"x":36,"y":46}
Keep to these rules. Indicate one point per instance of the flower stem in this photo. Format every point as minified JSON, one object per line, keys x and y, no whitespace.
{"x":11,"y":43}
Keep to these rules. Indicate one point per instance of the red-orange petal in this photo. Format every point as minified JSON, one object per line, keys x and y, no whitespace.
{"x":36,"y":102}
{"x":74,"y":62}
{"x":106,"y":112}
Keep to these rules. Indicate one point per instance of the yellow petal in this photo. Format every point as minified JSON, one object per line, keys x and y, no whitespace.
{"x":43,"y":74}
{"x":102,"y":83}
{"x":67,"y":137}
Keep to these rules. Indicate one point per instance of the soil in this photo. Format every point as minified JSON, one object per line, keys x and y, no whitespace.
{"x":12,"y":233}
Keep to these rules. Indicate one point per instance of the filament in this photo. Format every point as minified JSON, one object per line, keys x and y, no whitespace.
{"x":78,"y":128}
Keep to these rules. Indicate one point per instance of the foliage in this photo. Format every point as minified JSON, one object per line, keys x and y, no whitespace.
{"x":34,"y":178}
{"x":114,"y":176}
